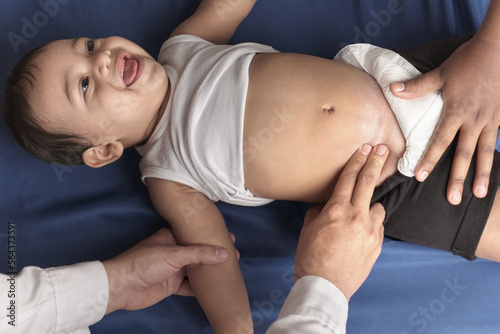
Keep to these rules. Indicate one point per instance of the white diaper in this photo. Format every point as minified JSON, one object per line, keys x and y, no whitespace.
{"x":418,"y":117}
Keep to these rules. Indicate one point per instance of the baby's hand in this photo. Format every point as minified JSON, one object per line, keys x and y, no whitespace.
{"x":216,"y":20}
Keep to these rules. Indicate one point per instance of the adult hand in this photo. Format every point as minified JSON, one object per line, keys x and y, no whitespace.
{"x":469,"y":80}
{"x":341,"y":240}
{"x":155,"y":269}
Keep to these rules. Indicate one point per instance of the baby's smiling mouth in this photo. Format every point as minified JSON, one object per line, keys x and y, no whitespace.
{"x":129,"y":68}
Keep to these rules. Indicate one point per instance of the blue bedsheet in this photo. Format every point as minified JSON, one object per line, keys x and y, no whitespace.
{"x":65,"y":215}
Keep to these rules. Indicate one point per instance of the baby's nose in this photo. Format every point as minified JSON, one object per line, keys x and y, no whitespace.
{"x":103,"y":60}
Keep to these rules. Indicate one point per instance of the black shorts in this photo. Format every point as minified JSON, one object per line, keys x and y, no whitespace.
{"x":420,"y":212}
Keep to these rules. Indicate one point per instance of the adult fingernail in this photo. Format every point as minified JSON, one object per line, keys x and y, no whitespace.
{"x":456,"y":197}
{"x":399,"y":86}
{"x":221,"y":253}
{"x":423,"y":175}
{"x":481,"y":190}
{"x":366,"y":149}
{"x":381,"y":149}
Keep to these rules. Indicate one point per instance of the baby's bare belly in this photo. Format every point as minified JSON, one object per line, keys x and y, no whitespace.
{"x":305,"y":116}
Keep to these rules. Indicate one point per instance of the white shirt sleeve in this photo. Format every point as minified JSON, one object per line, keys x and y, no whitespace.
{"x":313,"y":306}
{"x":55,"y":300}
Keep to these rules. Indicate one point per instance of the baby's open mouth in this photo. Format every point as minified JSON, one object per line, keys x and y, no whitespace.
{"x":129,"y":71}
{"x":129,"y":67}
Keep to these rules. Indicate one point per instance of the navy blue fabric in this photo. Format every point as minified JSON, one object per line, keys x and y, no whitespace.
{"x":65,"y":215}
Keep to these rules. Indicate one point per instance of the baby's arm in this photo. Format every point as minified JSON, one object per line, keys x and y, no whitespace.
{"x":216,"y":20}
{"x":195,"y":219}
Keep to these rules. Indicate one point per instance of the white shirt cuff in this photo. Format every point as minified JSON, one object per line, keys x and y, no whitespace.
{"x":314,"y":305}
{"x":81,"y":294}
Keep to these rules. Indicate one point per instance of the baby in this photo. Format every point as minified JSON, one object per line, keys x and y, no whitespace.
{"x":244,"y":124}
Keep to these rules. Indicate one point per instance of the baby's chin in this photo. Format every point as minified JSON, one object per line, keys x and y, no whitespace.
{"x":154,"y":76}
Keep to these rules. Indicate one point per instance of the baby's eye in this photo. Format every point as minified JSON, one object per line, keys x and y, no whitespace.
{"x":85,"y":85}
{"x":90,"y":46}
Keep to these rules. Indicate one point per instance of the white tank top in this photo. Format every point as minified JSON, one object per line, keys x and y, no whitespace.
{"x":199,"y":139}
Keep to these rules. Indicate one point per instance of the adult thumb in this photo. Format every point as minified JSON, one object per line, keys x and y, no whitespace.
{"x":200,"y":254}
{"x":418,"y":86}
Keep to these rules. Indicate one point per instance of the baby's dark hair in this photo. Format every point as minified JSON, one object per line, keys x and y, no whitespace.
{"x":58,"y":148}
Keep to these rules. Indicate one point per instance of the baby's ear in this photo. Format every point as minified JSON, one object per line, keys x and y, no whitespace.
{"x":99,"y":156}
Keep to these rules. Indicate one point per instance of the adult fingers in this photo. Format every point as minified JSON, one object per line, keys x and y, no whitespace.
{"x":197,"y":254}
{"x":345,"y":185}
{"x":367,"y":179}
{"x":418,"y":86}
{"x":442,"y":137}
{"x":163,"y":236}
{"x":233,"y":238}
{"x":464,"y":152}
{"x":377,"y":215}
{"x":313,"y":213}
{"x":485,"y":153}
{"x":185,"y":289}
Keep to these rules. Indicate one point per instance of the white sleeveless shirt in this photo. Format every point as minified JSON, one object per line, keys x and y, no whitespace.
{"x":199,"y":139}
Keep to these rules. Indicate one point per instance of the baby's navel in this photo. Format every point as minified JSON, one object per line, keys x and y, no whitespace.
{"x":328,"y":108}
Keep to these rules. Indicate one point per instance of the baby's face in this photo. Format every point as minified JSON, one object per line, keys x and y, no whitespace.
{"x":103,"y":89}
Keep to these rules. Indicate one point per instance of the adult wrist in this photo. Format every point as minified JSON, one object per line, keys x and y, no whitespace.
{"x":115,"y":299}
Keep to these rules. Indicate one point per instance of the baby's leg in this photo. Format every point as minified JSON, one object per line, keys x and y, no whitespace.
{"x":489,"y":244}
